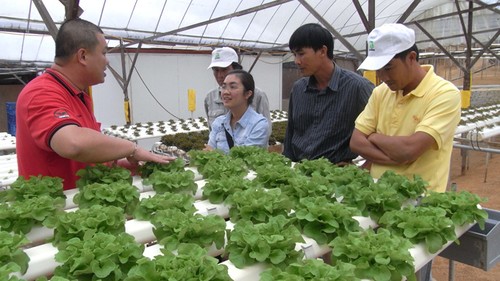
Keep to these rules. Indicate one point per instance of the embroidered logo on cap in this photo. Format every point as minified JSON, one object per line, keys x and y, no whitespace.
{"x":371,"y":46}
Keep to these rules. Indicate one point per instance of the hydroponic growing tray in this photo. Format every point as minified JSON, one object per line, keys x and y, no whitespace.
{"x":478,"y":248}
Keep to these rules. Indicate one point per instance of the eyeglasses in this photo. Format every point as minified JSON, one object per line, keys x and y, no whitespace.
{"x":231,"y":86}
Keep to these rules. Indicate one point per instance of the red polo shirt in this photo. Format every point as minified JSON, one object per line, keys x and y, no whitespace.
{"x":45,"y":105}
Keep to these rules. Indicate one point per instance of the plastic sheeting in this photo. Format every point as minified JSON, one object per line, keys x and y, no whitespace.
{"x":202,"y":24}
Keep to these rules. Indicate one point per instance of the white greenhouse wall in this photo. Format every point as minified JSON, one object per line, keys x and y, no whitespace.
{"x":168,"y":77}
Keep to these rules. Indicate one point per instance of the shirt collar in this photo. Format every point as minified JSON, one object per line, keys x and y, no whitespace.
{"x":72,"y":90}
{"x":420,"y":91}
{"x":217,"y":98}
{"x":334,"y":80}
{"x":63,"y":81}
{"x":244,"y":120}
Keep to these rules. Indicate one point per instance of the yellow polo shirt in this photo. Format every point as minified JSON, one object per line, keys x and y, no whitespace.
{"x":433,"y":108}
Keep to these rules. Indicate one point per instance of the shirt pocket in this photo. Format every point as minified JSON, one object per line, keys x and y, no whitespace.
{"x":241,"y":136}
{"x":220,"y":139}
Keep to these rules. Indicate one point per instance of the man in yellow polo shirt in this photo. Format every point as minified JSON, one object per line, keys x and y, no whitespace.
{"x":409,"y":121}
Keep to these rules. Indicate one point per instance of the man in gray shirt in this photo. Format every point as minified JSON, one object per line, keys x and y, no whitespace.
{"x":224,"y":60}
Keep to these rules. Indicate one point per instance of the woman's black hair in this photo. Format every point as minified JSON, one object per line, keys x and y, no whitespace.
{"x":246,"y":80}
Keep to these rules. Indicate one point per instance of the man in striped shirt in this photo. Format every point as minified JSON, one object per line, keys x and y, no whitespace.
{"x":324,"y":103}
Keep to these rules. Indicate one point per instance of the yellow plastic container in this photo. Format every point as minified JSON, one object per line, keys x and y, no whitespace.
{"x":465,"y":98}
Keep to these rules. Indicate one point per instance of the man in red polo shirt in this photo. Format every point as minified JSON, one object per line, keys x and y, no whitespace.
{"x":57,"y":133}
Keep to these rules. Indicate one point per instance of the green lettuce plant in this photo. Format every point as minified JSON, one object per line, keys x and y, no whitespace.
{"x":407,"y":189}
{"x":272,"y":242}
{"x":219,"y":169}
{"x":147,"y":207}
{"x":173,"y":227}
{"x":301,"y":186}
{"x":54,"y":278}
{"x":421,"y":224}
{"x":349,"y":175}
{"x":218,"y":190}
{"x":119,"y":194}
{"x":172,"y":182}
{"x":216,"y":165}
{"x":461,"y":207}
{"x":149,"y":167}
{"x":311,"y":270}
{"x":190,"y":263}
{"x":258,"y":204}
{"x":200,"y":158}
{"x":100,"y":256}
{"x":320,"y":166}
{"x":255,"y":156}
{"x":101,"y":173}
{"x":8,"y":272}
{"x":275,"y":177}
{"x":392,"y":261}
{"x":12,"y":257}
{"x":35,"y":186}
{"x":323,"y":220}
{"x":22,"y":216}
{"x":87,"y":221}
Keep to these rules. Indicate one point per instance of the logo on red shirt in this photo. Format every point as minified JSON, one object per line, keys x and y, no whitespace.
{"x":61,"y":113}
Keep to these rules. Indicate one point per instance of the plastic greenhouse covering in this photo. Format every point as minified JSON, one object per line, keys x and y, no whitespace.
{"x":262,"y":25}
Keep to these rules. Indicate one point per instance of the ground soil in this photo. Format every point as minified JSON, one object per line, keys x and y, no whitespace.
{"x":483,"y":180}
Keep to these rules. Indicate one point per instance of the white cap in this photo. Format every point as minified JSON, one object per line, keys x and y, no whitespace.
{"x":223,"y":57}
{"x":385,"y":42}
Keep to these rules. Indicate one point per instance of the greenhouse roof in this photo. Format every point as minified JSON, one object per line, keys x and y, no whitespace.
{"x":27,"y":27}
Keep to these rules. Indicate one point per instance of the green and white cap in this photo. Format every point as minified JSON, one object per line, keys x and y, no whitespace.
{"x":385,"y":42}
{"x":223,"y":57}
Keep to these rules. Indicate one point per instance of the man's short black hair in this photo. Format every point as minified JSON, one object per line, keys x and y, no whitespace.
{"x":311,"y":35}
{"x":403,"y":54}
{"x":236,"y":65}
{"x":75,"y":34}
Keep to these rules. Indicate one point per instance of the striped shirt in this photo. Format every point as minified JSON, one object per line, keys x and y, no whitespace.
{"x":321,"y":122}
